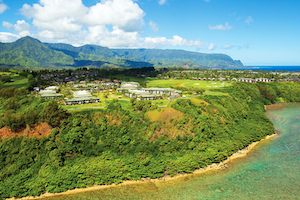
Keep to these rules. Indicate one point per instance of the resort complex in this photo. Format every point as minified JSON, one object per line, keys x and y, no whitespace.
{"x":82,"y":97}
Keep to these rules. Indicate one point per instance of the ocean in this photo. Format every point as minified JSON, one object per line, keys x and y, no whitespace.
{"x":271,"y":68}
{"x":269,"y":171}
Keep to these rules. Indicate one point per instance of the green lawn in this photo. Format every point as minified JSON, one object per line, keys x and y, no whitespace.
{"x":214,"y":93}
{"x":160,"y":102}
{"x":188,"y":83}
{"x":18,"y":82}
{"x":85,"y":106}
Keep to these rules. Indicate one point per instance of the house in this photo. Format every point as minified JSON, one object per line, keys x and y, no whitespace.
{"x":49,"y":94}
{"x":262,"y":80}
{"x":82,"y":97}
{"x":125,"y":86}
{"x":248,"y":80}
{"x":54,"y":88}
{"x":86,"y":86}
{"x":143,"y":95}
{"x":162,"y":91}
{"x":132,"y":84}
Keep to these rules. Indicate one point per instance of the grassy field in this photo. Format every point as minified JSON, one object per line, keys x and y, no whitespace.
{"x":198,"y":101}
{"x":110,"y":96}
{"x":164,"y":114}
{"x":162,"y":103}
{"x":214,"y":93}
{"x":188,"y":83}
{"x":18,"y":81}
{"x":85,"y":106}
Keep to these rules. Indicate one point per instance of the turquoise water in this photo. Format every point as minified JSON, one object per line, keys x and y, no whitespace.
{"x":270,"y":171}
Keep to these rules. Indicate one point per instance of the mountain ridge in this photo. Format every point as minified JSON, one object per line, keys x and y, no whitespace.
{"x":30,"y":52}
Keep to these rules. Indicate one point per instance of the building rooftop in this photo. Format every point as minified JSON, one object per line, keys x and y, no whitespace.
{"x":82,"y":93}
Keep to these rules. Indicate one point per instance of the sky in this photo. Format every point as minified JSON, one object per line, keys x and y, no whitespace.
{"x":256,"y":32}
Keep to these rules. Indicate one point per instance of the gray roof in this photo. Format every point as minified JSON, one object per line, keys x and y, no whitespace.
{"x":82,"y":99}
{"x":51,"y":95}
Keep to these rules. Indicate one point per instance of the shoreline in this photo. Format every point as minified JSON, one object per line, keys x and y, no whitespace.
{"x":212,"y":167}
{"x":276,"y":106}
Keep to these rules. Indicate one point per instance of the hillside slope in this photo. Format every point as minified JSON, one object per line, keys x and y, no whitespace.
{"x":167,"y":57}
{"x":28,"y":51}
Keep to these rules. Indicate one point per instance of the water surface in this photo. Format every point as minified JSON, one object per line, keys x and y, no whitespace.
{"x":270,"y":171}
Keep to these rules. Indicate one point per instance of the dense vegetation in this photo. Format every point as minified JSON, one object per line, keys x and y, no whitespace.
{"x":112,"y":145}
{"x":178,"y":58}
{"x":29,"y":52}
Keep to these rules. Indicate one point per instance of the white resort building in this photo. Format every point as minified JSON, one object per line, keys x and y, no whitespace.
{"x":50,"y":92}
{"x":82,"y":97}
{"x":251,"y":80}
{"x":130,"y":89}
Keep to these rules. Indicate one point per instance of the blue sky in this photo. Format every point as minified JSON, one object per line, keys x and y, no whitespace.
{"x":257,"y":32}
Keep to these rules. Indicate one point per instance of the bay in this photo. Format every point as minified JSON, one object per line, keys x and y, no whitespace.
{"x":269,"y":171}
{"x":271,"y":68}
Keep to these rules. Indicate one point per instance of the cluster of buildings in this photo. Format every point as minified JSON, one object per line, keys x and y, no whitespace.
{"x":230,"y":75}
{"x":252,"y":80}
{"x":133,"y":90}
{"x":81,"y":93}
{"x":79,"y":97}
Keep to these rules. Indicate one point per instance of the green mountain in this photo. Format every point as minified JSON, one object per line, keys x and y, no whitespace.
{"x":86,"y":49}
{"x":97,"y":56}
{"x":170,"y":57}
{"x":29,"y":52}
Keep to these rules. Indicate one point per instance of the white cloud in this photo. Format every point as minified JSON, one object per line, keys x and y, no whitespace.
{"x":221,"y":27}
{"x":6,"y":25}
{"x":125,"y":14}
{"x":69,"y":21}
{"x":72,"y":15}
{"x":117,"y":38}
{"x":3,"y":7}
{"x":49,"y":10}
{"x":66,"y":24}
{"x":158,"y":42}
{"x":8,"y":37}
{"x":22,"y":28}
{"x":21,"y":25}
{"x":211,"y":47}
{"x":56,"y":15}
{"x":226,"y":46}
{"x":153,"y":26}
{"x":162,"y":2}
{"x":249,"y":20}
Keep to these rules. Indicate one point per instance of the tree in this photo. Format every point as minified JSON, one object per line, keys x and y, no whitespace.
{"x":5,"y":79}
{"x":53,"y":114}
{"x":7,"y":92}
{"x":31,"y":82}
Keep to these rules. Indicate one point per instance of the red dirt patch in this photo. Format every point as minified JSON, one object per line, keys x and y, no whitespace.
{"x":42,"y":129}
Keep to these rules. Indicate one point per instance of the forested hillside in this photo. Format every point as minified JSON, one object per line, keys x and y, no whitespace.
{"x":28,"y":51}
{"x":163,"y":58}
{"x":31,"y":53}
{"x":107,"y":146}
